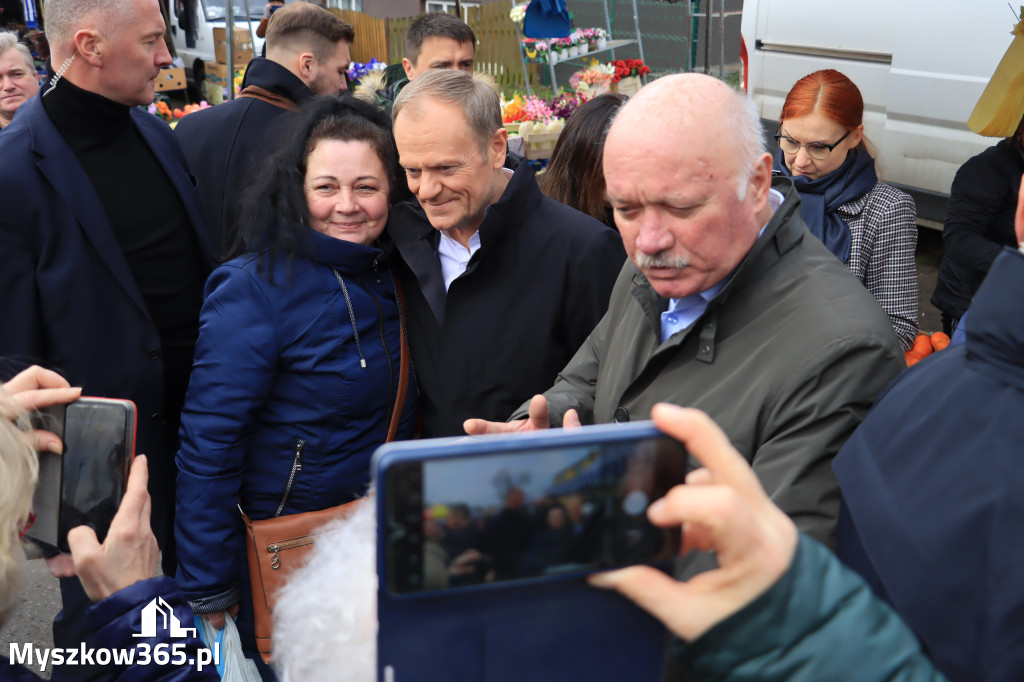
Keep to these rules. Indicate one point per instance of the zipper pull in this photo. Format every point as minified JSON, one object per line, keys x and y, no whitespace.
{"x":299,"y":445}
{"x":376,"y":271}
{"x":275,"y":561}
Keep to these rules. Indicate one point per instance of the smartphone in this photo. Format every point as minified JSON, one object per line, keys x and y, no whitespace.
{"x":483,"y":511}
{"x":84,"y":486}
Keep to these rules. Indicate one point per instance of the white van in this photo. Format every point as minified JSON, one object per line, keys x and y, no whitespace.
{"x":921,"y":67}
{"x":209,"y":14}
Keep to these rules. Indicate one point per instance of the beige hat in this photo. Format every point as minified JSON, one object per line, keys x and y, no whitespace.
{"x":1001,"y":106}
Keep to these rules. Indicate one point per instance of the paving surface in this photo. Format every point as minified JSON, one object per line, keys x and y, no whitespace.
{"x":38,"y":603}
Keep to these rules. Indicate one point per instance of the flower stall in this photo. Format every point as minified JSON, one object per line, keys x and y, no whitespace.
{"x":580,"y":42}
{"x":627,"y":75}
{"x":534,"y":121}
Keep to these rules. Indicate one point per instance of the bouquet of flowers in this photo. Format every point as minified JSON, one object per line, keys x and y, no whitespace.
{"x":520,"y":109}
{"x":536,"y":109}
{"x":594,"y":80}
{"x":512,"y":109}
{"x":629,"y":67}
{"x":161,"y":109}
{"x":565,"y":103}
{"x":357,"y":71}
{"x":518,"y":13}
{"x":589,"y":36}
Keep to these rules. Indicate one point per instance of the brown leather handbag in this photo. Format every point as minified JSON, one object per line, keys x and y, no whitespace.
{"x":277,"y":546}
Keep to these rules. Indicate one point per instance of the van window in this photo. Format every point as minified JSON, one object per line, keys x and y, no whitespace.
{"x":215,"y":9}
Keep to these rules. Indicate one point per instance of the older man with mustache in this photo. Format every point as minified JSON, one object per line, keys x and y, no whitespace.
{"x":728,"y":305}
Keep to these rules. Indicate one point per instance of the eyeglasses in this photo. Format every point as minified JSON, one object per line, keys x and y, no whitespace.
{"x":816,"y":150}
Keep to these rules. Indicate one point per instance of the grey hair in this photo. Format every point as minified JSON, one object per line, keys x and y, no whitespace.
{"x":9,"y":40}
{"x":64,"y":17}
{"x":749,"y":134}
{"x":325,"y":620}
{"x":477,"y":99}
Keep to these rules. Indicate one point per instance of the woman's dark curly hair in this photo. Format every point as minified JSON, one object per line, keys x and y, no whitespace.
{"x":273,"y":214}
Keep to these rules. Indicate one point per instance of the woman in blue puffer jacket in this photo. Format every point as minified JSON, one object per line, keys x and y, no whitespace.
{"x":297,"y":364}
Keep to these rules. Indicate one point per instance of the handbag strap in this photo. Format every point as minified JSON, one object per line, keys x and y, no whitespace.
{"x":403,"y":371}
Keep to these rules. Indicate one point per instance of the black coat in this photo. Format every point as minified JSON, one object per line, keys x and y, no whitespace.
{"x":225,"y":144}
{"x":69,"y":299}
{"x":529,"y":297}
{"x":979,"y":223}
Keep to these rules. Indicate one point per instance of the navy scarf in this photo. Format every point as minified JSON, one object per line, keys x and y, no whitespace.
{"x":822,"y":197}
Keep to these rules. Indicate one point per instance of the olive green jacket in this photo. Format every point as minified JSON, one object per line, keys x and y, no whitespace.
{"x":787,"y":359}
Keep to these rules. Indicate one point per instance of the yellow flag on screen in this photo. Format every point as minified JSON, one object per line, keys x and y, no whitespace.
{"x":1001,"y":106}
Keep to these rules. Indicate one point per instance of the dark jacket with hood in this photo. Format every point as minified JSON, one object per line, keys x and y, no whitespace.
{"x":225,"y":144}
{"x":303,"y":358}
{"x":932,"y":481}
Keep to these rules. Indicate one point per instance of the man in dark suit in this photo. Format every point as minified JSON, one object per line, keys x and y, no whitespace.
{"x":102,"y":249}
{"x":307,"y":55}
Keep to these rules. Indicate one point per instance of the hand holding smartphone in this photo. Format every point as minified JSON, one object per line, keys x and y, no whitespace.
{"x":85,"y":484}
{"x":493,"y":509}
{"x":482,"y":543}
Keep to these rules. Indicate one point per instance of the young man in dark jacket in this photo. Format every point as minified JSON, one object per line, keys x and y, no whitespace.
{"x":434,"y":41}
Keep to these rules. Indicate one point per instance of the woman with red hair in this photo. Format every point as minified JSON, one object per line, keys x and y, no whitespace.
{"x":870,"y":226}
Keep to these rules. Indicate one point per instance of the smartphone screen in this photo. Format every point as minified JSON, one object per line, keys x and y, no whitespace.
{"x":473,"y":520}
{"x":99,"y":443}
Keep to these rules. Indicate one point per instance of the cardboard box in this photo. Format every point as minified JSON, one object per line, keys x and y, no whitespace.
{"x":171,"y":79}
{"x":217,"y":73}
{"x":242,"y":37}
{"x":242,"y":55}
{"x":243,"y":46}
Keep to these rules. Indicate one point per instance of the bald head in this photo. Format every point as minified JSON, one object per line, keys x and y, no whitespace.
{"x":688,"y":179}
{"x":685,"y":109}
{"x":64,"y":17}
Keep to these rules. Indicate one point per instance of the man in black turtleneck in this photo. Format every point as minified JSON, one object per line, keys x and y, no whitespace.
{"x":102,"y":250}
{"x":307,"y":55}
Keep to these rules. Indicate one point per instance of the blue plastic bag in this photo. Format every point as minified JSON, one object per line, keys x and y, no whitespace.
{"x":233,"y":666}
{"x":546,"y":19}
